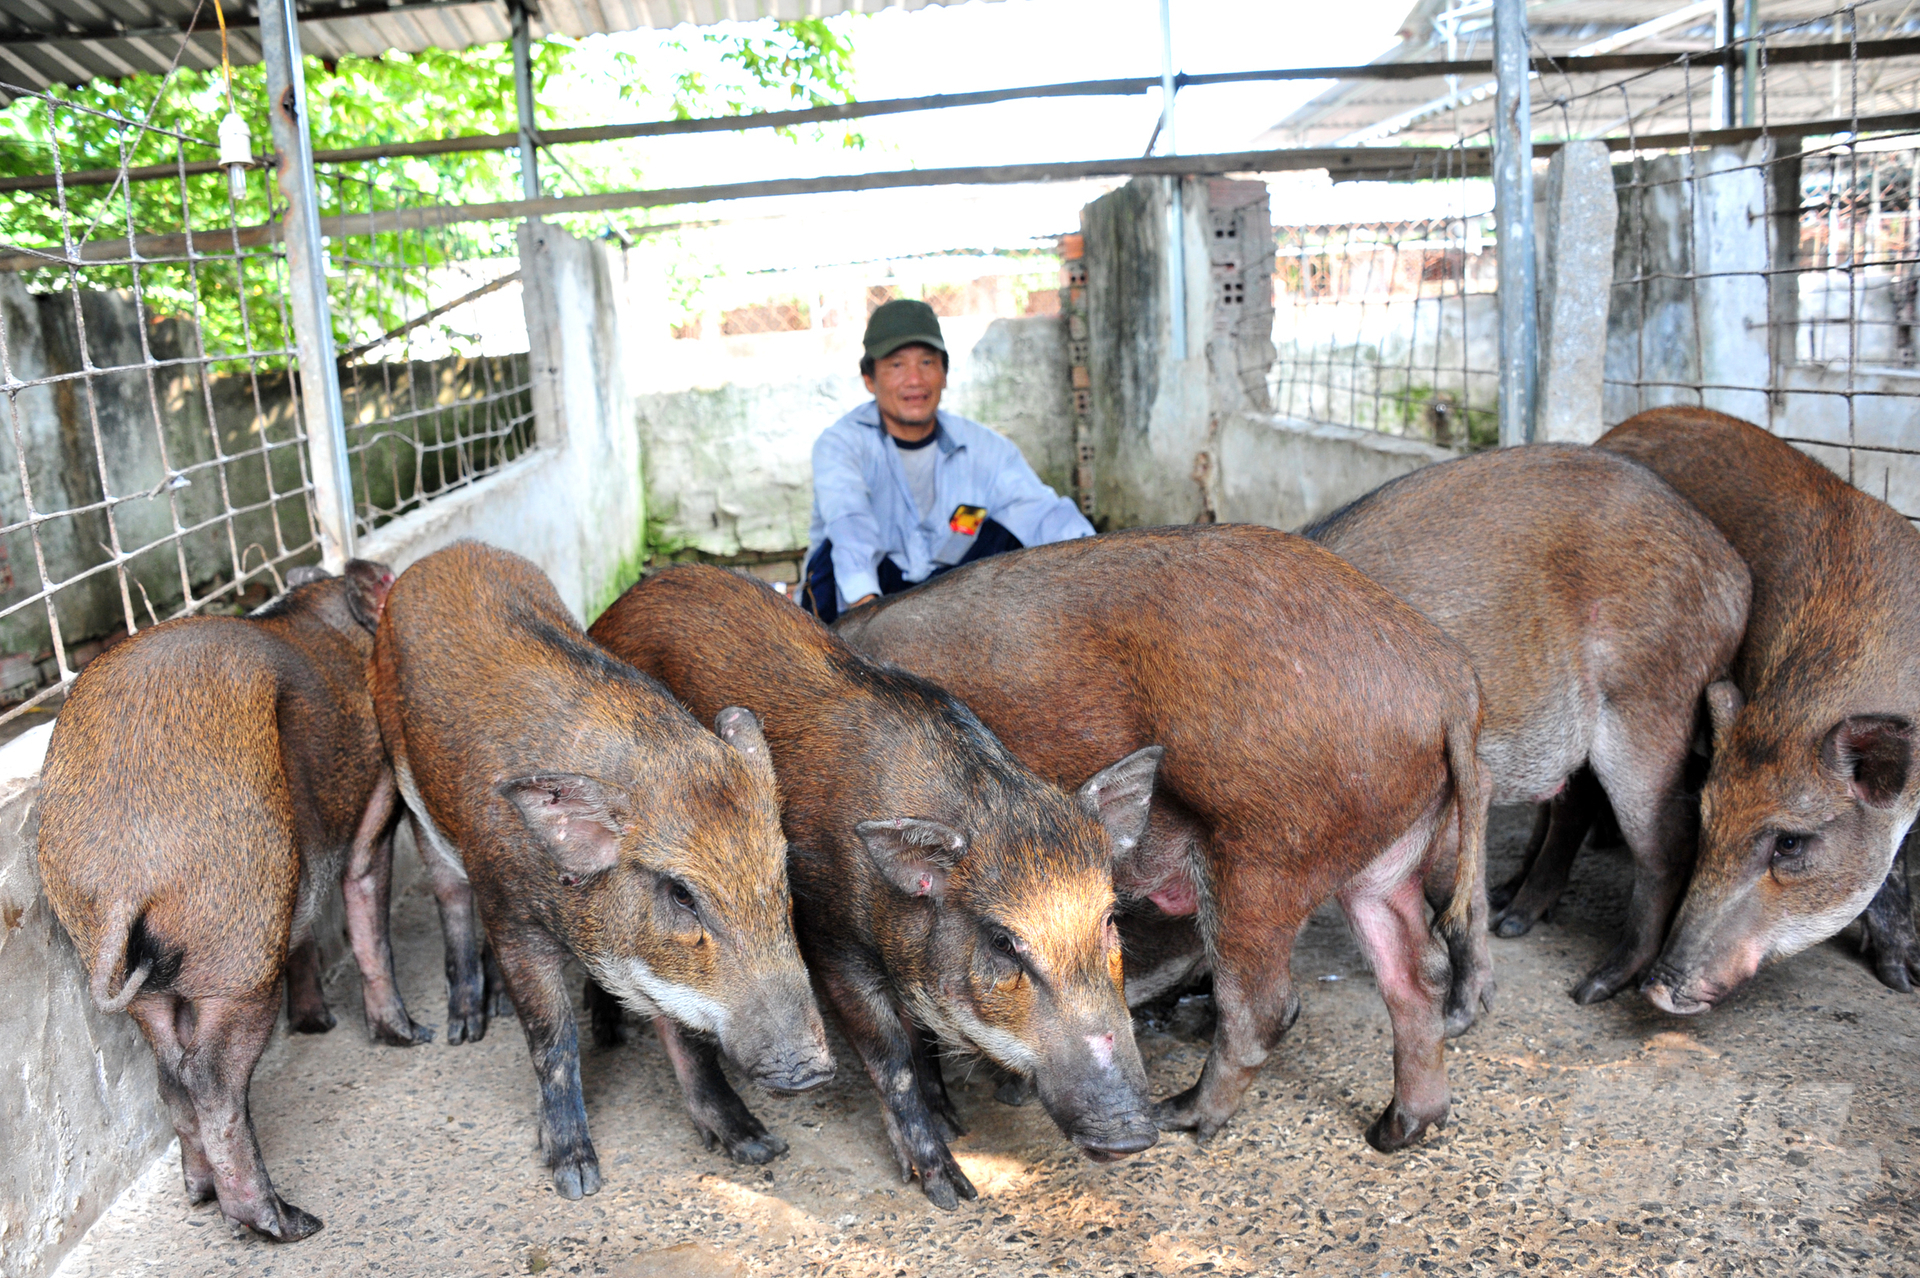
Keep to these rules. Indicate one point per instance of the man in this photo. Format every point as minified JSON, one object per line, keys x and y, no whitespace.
{"x":903,"y":491}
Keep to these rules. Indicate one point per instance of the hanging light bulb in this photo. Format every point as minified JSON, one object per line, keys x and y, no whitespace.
{"x":236,"y":152}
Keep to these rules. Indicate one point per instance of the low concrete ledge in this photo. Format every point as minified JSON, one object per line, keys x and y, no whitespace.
{"x":79,"y":1105}
{"x":1286,"y":473}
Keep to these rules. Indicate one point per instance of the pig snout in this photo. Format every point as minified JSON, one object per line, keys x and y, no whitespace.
{"x":1667,"y":991}
{"x":780,"y":1041}
{"x":1095,"y":1090}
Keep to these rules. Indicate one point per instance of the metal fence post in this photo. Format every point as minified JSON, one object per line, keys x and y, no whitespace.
{"x":307,"y":284}
{"x":1513,"y":222}
{"x":1177,"y":214}
{"x":523,"y":100}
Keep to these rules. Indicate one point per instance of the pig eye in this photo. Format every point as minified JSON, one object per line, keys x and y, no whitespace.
{"x":1788,"y":847}
{"x":681,"y":895}
{"x":1005,"y":944}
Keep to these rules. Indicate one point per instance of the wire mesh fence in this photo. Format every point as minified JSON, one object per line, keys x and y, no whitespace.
{"x":151,"y":436}
{"x":1772,"y":275}
{"x":434,"y":373}
{"x":1390,"y":327}
{"x":153,"y":431}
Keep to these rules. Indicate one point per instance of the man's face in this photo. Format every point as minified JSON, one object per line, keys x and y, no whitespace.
{"x":907,"y":385}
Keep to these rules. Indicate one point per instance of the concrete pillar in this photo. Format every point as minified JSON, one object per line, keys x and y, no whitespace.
{"x":1574,"y":230}
{"x":1157,"y":417}
{"x":1693,"y":326}
{"x":1730,"y":249}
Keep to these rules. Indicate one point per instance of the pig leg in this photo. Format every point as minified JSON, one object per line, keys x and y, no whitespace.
{"x":608,"y":1019}
{"x":1889,"y":937}
{"x":306,"y":1002}
{"x":466,"y":979}
{"x":216,"y":1066}
{"x":1501,"y":895}
{"x":1541,"y":884}
{"x":1253,"y":995}
{"x":1411,"y":969}
{"x":1641,"y":764}
{"x":718,"y":1112}
{"x":933,"y":1083}
{"x":882,"y":1037}
{"x":535,"y":969}
{"x":368,"y":887}
{"x":159,"y":1017}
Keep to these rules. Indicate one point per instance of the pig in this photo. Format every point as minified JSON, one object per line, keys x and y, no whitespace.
{"x":586,"y":814}
{"x":1319,"y":742}
{"x":207,"y":783}
{"x":1597,"y":606}
{"x":1812,"y":785}
{"x":941,"y":889}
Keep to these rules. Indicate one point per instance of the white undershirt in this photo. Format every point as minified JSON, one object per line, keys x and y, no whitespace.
{"x":918,"y":463}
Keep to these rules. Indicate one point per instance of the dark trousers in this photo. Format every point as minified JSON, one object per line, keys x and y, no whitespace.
{"x":820,"y":596}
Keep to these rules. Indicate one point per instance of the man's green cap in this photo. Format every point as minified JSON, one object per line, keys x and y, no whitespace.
{"x":902,"y":322}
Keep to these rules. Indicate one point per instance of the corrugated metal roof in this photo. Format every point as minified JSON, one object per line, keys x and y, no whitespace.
{"x":1608,"y":105}
{"x":46,"y":42}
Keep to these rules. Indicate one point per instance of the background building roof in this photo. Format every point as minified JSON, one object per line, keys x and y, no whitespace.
{"x":1664,"y":101}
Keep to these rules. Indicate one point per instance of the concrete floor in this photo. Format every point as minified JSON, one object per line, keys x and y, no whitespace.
{"x":1778,"y":1135}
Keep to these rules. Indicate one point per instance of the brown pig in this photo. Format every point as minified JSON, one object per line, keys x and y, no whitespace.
{"x":940,"y":887}
{"x":1812,"y":785}
{"x":206,"y":784}
{"x":589,"y":815}
{"x":1319,"y":738}
{"x":1597,"y":606}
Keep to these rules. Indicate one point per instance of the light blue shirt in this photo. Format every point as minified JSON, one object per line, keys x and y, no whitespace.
{"x":862,"y":503}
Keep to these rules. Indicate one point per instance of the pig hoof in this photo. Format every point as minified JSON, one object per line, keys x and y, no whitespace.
{"x":576,"y":1178}
{"x":1512,"y":925}
{"x":465,"y":1029}
{"x":312,"y":1021}
{"x":1596,"y":989}
{"x":392,"y":1036}
{"x":1501,"y":896}
{"x":946,"y":1187}
{"x":1397,"y":1128}
{"x":756,"y":1150}
{"x":285,"y":1225}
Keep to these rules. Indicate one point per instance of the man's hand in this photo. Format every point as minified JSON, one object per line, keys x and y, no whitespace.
{"x":863,"y":599}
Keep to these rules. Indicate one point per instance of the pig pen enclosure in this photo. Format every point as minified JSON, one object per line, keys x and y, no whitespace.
{"x":210,"y":384}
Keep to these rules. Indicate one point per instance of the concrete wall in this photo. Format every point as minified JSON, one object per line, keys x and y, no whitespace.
{"x":1286,"y":473}
{"x":77,"y":1094}
{"x":727,"y":426}
{"x":77,"y":1100}
{"x":1151,"y":409}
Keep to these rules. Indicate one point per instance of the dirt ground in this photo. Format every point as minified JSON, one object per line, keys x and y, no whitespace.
{"x":1777,"y":1135}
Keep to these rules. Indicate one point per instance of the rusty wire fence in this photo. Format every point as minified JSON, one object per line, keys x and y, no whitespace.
{"x":154,"y":438}
{"x":435,"y":378}
{"x":1389,"y":326}
{"x":1772,"y":273}
{"x":154,"y":452}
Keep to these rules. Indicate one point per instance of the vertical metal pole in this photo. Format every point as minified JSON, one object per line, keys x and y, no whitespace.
{"x":1750,"y":30}
{"x":523,"y":99}
{"x":1513,"y":222}
{"x":1723,"y":71}
{"x":307,"y":284}
{"x":1177,"y":235}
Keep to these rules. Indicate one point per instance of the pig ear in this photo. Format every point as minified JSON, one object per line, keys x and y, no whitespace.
{"x":737,"y":726}
{"x":577,"y":818}
{"x":367,"y":587}
{"x":1117,"y":798}
{"x":1723,"y":703}
{"x":1874,"y":752}
{"x":914,"y":855}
